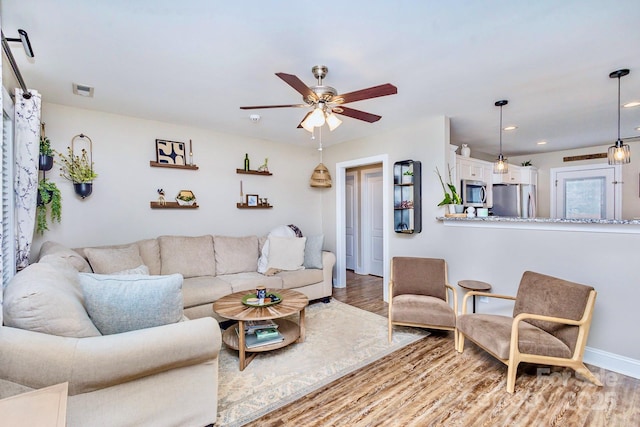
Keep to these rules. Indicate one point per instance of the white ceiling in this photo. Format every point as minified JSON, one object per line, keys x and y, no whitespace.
{"x":196,"y":62}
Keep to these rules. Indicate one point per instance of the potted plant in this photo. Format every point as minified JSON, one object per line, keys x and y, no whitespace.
{"x":48,"y":195}
{"x":46,"y":154}
{"x":407,"y":177}
{"x":451,"y":196}
{"x":79,"y":170}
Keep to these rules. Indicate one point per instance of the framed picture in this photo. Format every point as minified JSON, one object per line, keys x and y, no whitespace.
{"x":170,"y":152}
{"x":252,"y":200}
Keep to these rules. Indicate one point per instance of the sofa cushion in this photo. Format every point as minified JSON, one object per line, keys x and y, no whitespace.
{"x":75,"y":259}
{"x":248,"y":281}
{"x":286,"y":253}
{"x":140,"y":270}
{"x":150,"y":253}
{"x":204,"y":289}
{"x":300,"y":278}
{"x":46,"y":297}
{"x":189,"y":256}
{"x":110,"y":260}
{"x":119,"y":304}
{"x":313,"y":251}
{"x":236,"y":254}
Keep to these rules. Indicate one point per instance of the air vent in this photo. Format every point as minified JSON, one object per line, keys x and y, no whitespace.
{"x":83,"y":90}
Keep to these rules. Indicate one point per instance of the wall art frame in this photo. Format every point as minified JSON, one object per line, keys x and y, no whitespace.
{"x":252,"y":200}
{"x":171,"y":152}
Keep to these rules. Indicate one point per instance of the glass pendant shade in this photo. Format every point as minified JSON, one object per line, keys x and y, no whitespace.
{"x":320,"y":177}
{"x":333,"y":121}
{"x":316,"y":118}
{"x":619,"y":154}
{"x":501,"y":165}
{"x":306,"y":124}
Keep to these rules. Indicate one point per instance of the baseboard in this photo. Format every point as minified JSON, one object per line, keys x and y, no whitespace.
{"x":612,"y":362}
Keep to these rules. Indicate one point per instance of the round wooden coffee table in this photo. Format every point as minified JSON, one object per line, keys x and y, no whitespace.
{"x":231,"y":307}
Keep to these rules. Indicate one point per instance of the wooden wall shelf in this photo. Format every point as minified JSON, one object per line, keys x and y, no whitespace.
{"x":252,"y":172}
{"x":172,"y":205}
{"x":245,"y":206}
{"x":165,"y":165}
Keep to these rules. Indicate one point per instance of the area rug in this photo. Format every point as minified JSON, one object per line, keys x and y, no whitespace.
{"x":339,"y":339}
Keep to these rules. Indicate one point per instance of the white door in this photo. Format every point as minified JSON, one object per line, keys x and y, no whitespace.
{"x":372,"y":230}
{"x":591,"y":191}
{"x":351,"y":220}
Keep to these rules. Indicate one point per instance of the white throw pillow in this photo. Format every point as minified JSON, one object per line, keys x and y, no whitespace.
{"x":286,"y":253}
{"x":280,"y":231}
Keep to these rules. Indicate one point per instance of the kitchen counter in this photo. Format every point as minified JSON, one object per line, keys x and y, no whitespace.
{"x":631,"y":226}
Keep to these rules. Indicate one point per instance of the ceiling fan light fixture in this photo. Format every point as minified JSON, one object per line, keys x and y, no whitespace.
{"x":333,"y":121}
{"x":316,"y":119}
{"x":619,"y":153}
{"x":306,"y":124}
{"x":501,"y":165}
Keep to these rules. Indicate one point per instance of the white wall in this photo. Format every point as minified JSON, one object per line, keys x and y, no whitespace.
{"x":500,"y":256}
{"x":630,"y":175}
{"x":118,"y":210}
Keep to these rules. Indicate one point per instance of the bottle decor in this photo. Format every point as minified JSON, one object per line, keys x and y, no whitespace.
{"x":465,"y":151}
{"x":246,"y":162}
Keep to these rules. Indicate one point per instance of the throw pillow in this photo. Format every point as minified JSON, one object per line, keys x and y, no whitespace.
{"x":73,"y":257}
{"x":235,"y":254}
{"x":119,"y":304}
{"x":189,"y":256}
{"x":286,"y":253}
{"x":110,"y":260}
{"x":280,"y":231}
{"x":46,"y":297}
{"x":313,"y":252}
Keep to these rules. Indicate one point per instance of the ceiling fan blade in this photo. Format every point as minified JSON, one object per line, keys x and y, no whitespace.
{"x":372,"y":92}
{"x":298,"y":85}
{"x":303,"y":119}
{"x":357,"y":114}
{"x":256,"y":107}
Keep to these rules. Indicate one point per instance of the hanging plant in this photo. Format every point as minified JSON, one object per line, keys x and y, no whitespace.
{"x":49,"y":198}
{"x":77,"y":169}
{"x":46,"y":153}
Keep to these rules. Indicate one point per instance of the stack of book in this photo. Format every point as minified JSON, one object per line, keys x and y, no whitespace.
{"x":261,"y":332}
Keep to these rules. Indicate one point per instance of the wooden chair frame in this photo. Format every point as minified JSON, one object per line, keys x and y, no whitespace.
{"x":516,"y":357}
{"x":420,"y":325}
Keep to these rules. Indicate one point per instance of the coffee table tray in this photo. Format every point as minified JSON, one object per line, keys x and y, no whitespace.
{"x":267,"y":304}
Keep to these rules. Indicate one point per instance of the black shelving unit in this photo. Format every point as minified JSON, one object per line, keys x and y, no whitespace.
{"x":407,"y":197}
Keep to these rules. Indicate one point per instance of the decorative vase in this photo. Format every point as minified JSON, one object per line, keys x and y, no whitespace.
{"x":465,"y":151}
{"x":458,"y":209}
{"x":452,"y":209}
{"x":45,"y":163}
{"x":83,"y":189}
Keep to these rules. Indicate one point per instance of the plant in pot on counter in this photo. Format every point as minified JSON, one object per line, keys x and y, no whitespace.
{"x":49,"y":198}
{"x":451,"y":196}
{"x":79,"y":170}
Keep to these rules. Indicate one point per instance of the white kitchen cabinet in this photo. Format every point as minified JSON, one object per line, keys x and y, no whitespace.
{"x":528,"y":175}
{"x":473,"y":169}
{"x":517,"y":175}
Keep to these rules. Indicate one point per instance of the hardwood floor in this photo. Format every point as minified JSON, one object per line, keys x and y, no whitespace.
{"x":429,"y":384}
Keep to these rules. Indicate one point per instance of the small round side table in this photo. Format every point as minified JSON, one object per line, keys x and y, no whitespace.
{"x":474,"y":285}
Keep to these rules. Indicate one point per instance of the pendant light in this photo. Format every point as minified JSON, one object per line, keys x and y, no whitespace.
{"x":320,"y":177}
{"x":619,"y":153}
{"x":501,"y":165}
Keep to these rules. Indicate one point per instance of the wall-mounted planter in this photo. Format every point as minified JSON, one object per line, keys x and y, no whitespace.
{"x":45,"y":163}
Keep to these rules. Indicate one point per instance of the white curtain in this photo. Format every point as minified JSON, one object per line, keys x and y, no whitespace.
{"x":27,"y":138}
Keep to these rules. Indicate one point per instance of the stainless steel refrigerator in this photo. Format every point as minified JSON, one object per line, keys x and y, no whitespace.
{"x":515,"y":200}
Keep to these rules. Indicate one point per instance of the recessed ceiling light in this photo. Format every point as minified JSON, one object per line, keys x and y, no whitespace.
{"x":638,"y":128}
{"x":510,"y":128}
{"x":541,"y":142}
{"x":83,"y":90}
{"x":631,"y":104}
{"x":255,"y":118}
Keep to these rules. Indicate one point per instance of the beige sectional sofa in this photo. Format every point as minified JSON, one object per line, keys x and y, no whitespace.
{"x":59,"y":312}
{"x":212,"y":267}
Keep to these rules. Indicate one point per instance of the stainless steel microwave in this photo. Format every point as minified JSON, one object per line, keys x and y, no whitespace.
{"x":474,"y":193}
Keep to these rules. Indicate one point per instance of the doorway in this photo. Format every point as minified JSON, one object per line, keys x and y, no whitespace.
{"x":364,"y":237}
{"x":586,"y":192}
{"x":379,"y":222}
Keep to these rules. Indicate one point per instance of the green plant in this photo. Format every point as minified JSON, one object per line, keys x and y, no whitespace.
{"x":49,"y":196}
{"x":77,"y":168}
{"x":408,"y":172}
{"x":451,"y":197}
{"x":526,"y":163}
{"x":186,"y":198}
{"x":45,"y":146}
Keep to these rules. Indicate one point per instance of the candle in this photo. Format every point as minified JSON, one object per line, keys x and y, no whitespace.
{"x":190,"y":148}
{"x":241,"y":188}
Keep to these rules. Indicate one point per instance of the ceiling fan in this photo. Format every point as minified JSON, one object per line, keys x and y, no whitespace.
{"x":325,"y":102}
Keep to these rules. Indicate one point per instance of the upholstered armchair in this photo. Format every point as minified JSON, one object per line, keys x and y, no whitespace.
{"x":550,"y":326}
{"x":419,"y":295}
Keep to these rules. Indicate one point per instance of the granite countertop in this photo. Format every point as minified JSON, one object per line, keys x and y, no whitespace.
{"x":544,"y":220}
